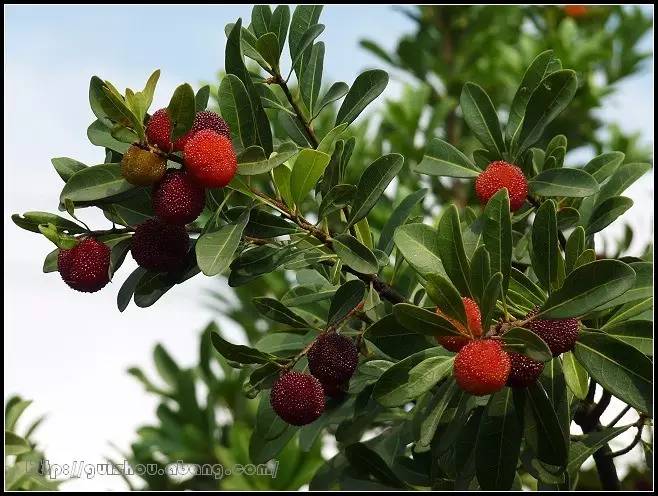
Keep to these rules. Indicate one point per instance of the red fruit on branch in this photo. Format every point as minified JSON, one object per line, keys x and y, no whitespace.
{"x":333,"y":358}
{"x":482,"y":367}
{"x":297,"y":398}
{"x":474,"y":323}
{"x":178,"y":198}
{"x":524,"y":372}
{"x":498,"y":175}
{"x":85,"y":267}
{"x":158,"y":246}
{"x":210,"y":158}
{"x":560,"y":335}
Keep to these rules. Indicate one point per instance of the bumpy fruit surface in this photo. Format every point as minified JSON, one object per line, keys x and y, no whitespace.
{"x":333,"y":358}
{"x":473,"y":320}
{"x":142,"y":167}
{"x":297,"y":398}
{"x":178,"y":198}
{"x":524,"y":371}
{"x":85,"y":267}
{"x":210,"y":158}
{"x":335,"y":391}
{"x":158,"y":132}
{"x":560,"y":335}
{"x":158,"y":246}
{"x":482,"y":367}
{"x":498,"y":175}
{"x":210,"y":120}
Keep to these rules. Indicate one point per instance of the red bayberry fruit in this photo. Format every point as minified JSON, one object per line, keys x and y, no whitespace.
{"x":524,"y":371}
{"x":473,"y":320}
{"x":498,"y":175}
{"x":482,"y":367}
{"x":335,"y":391}
{"x":210,"y":158}
{"x":158,"y":246}
{"x":210,"y":120}
{"x":85,"y":267}
{"x":297,"y":398}
{"x":560,"y":335}
{"x":158,"y":132}
{"x":178,"y":198}
{"x":333,"y":358}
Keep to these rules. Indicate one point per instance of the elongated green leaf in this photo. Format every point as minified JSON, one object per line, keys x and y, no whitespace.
{"x":575,"y":375}
{"x":437,"y":408}
{"x":338,"y":197}
{"x":312,"y":77}
{"x":423,"y":321}
{"x":619,"y":367}
{"x":347,"y":297}
{"x":491,"y":294}
{"x":215,"y":250}
{"x":588,"y":287}
{"x":363,"y":458}
{"x":397,"y":218}
{"x":100,"y":135}
{"x":366,"y":87}
{"x":443,"y":159}
{"x":237,"y":352}
{"x":497,"y":234}
{"x":354,"y":254}
{"x":572,"y":183}
{"x":545,"y":248}
{"x":625,"y":175}
{"x":236,"y":109}
{"x":66,"y":167}
{"x":181,"y":110}
{"x":498,"y":443}
{"x":15,"y":444}
{"x":481,"y":118}
{"x":575,"y":246}
{"x":278,"y":312}
{"x":480,"y":272}
{"x":521,"y":340}
{"x":335,"y":92}
{"x":201,"y":98}
{"x":607,"y":212}
{"x":279,"y":24}
{"x":543,"y":431}
{"x":303,"y":18}
{"x":549,"y":98}
{"x":329,"y":140}
{"x":585,"y":447}
{"x":539,"y":68}
{"x":261,"y":16}
{"x":603,"y":166}
{"x":95,"y":183}
{"x":419,"y":245}
{"x":268,"y":46}
{"x":309,"y":166}
{"x":394,"y":340}
{"x":30,"y":221}
{"x":637,"y":333}
{"x":445,"y":296}
{"x":451,"y":250}
{"x":372,"y":184}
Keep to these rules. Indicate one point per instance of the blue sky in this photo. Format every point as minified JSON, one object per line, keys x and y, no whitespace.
{"x":69,"y":352}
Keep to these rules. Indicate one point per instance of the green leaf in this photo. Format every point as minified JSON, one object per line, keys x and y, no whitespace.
{"x":338,"y":197}
{"x":545,"y":248}
{"x":354,"y":254}
{"x":575,"y":375}
{"x":50,"y":263}
{"x":572,"y":183}
{"x":585,"y":257}
{"x":236,"y":352}
{"x":215,"y":250}
{"x":271,"y":434}
{"x":538,"y":70}
{"x":419,"y":245}
{"x":397,"y":218}
{"x":543,"y":431}
{"x":372,"y":184}
{"x":128,"y":287}
{"x":166,"y":366}
{"x":480,"y":272}
{"x":498,"y":443}
{"x":366,"y":87}
{"x":423,"y":321}
{"x":100,"y":135}
{"x":607,"y":212}
{"x":327,"y":143}
{"x":303,"y":18}
{"x":279,"y":24}
{"x":440,"y":403}
{"x":588,"y":287}
{"x":443,"y":159}
{"x":364,"y":459}
{"x":525,"y":342}
{"x":497,"y":234}
{"x":394,"y":340}
{"x":95,"y":183}
{"x":181,"y":110}
{"x":262,"y":224}
{"x":261,"y":16}
{"x":66,"y":167}
{"x":567,"y":217}
{"x":312,"y":77}
{"x":586,"y":446}
{"x":618,"y":367}
{"x":488,"y":303}
{"x":236,"y":108}
{"x":575,"y":246}
{"x":30,"y":221}
{"x":625,"y":175}
{"x":603,"y":166}
{"x":268,"y":46}
{"x":549,"y":98}
{"x":201,"y":98}
{"x":637,"y":333}
{"x":335,"y":92}
{"x":451,"y":250}
{"x":394,"y":387}
{"x":347,"y":297}
{"x":481,"y":118}
{"x":278,"y":312}
{"x":445,"y":296}
{"x":15,"y":444}
{"x":309,"y":166}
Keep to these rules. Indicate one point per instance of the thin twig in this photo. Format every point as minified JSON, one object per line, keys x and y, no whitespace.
{"x":619,"y":417}
{"x":636,"y":440}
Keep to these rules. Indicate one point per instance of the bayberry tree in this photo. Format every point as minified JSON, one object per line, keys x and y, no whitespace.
{"x":463,"y":345}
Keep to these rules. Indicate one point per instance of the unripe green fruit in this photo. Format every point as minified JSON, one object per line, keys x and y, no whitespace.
{"x":142,"y":167}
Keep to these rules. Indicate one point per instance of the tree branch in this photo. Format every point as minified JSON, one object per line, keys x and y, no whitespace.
{"x":636,"y":439}
{"x":300,"y":115}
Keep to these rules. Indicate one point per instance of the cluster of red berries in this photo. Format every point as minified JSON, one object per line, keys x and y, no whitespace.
{"x":499,"y":175}
{"x":161,"y":244}
{"x":299,"y":398}
{"x":483,"y":367}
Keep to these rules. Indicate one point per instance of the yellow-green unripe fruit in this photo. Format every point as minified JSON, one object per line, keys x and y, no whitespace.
{"x":142,"y":167}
